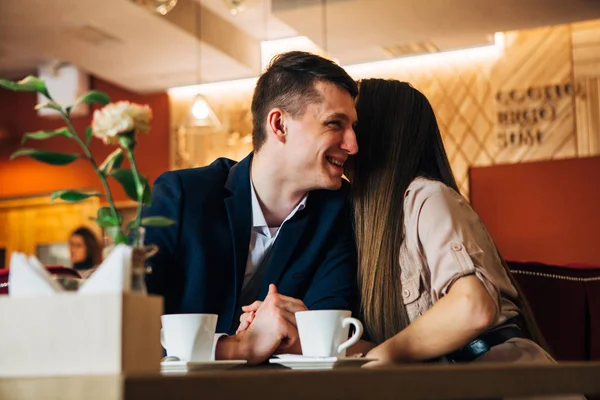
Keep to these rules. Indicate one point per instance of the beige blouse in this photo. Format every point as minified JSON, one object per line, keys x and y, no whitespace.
{"x":444,"y":241}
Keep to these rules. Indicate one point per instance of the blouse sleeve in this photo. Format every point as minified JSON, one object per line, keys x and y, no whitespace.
{"x":450,"y":236}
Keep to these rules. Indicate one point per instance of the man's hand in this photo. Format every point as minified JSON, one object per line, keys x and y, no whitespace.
{"x":272,"y":327}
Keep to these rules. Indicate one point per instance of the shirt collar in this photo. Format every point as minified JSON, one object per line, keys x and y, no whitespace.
{"x":258,"y":218}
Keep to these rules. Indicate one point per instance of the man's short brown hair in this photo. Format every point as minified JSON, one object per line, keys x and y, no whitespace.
{"x":289,"y":83}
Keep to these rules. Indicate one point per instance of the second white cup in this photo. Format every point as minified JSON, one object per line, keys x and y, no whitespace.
{"x":324,"y":333}
{"x":189,"y":337}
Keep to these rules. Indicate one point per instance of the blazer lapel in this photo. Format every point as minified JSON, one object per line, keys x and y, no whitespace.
{"x":285,"y":244}
{"x":239,"y":212}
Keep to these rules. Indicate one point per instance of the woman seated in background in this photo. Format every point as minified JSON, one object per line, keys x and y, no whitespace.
{"x":430,"y":277}
{"x":85,"y":251}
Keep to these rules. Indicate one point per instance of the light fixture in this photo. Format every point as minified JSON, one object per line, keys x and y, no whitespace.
{"x":163,"y":7}
{"x":200,"y":114}
{"x":236,"y":6}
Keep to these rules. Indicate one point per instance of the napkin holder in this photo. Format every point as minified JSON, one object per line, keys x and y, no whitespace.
{"x":104,"y":329}
{"x":70,"y":334}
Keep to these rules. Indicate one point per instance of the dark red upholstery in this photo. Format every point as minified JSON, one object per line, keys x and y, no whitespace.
{"x":55,"y":270}
{"x":592,"y":290}
{"x":566,"y":304}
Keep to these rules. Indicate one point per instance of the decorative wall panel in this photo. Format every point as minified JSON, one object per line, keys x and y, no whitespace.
{"x":586,"y":71}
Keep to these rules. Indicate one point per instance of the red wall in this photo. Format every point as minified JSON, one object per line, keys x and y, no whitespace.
{"x":543,"y":211}
{"x":25,"y":177}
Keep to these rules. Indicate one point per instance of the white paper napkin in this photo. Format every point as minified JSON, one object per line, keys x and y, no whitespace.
{"x":113,"y":275}
{"x":27,"y":277}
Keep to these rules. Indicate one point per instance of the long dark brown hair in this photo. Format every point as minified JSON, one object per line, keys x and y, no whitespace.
{"x":93,"y":247}
{"x":399,"y":140}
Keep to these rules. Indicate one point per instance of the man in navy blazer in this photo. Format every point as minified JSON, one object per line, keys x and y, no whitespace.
{"x":275,"y":226}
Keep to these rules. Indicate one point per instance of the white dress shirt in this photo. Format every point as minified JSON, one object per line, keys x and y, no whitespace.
{"x":262,"y":237}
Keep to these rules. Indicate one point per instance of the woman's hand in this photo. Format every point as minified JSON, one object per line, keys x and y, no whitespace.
{"x":377,"y":364}
{"x":248,"y":316}
{"x":382,"y":356}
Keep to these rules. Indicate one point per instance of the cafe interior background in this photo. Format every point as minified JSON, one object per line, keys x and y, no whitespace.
{"x":515,"y":86}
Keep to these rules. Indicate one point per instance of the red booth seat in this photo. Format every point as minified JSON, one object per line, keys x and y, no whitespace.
{"x":565,"y":301}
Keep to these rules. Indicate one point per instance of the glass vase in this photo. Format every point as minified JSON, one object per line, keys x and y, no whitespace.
{"x":139,"y":254}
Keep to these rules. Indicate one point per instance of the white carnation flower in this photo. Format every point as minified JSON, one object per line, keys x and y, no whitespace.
{"x":120,"y":117}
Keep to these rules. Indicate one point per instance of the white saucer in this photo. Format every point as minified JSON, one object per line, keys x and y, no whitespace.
{"x":185,"y":366}
{"x":313,"y":363}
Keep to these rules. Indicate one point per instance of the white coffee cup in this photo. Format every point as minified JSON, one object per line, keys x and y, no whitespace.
{"x":189,"y":337}
{"x":324,"y":333}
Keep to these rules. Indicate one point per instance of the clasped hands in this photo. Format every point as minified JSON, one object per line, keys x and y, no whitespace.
{"x":269,"y":326}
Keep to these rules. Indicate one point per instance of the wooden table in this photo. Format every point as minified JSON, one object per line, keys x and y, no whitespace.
{"x":424,"y":381}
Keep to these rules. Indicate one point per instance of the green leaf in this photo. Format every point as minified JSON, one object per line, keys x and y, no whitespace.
{"x":73,"y":195}
{"x":29,"y":84}
{"x":94,"y":97}
{"x":121,"y":238}
{"x":157,"y":221}
{"x":114,"y":160}
{"x":48,"y":157}
{"x":154,"y":221}
{"x":88,"y":135}
{"x":106,"y":218}
{"x":127,"y":181}
{"x":41,"y":135}
{"x":49,"y":104}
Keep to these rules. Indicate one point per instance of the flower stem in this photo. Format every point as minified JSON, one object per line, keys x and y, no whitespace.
{"x":88,"y":155}
{"x":138,"y":185}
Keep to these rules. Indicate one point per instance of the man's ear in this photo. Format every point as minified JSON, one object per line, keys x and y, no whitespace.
{"x":276,"y":124}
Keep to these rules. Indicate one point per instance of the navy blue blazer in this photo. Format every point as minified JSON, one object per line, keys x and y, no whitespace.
{"x":201,"y":261}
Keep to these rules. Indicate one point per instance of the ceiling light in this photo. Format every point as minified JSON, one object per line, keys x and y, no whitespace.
{"x":236,"y":6}
{"x":201,"y":114}
{"x":161,"y":7}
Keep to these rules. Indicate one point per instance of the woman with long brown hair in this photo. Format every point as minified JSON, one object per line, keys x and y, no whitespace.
{"x":433,"y":284}
{"x":85,"y":251}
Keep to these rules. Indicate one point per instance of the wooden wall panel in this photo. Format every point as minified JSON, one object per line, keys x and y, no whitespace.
{"x":3,"y":233}
{"x":586,"y":60}
{"x":28,"y":223}
{"x":540,"y":60}
{"x":588,"y":117}
{"x":586,"y":49}
{"x":461,"y":96}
